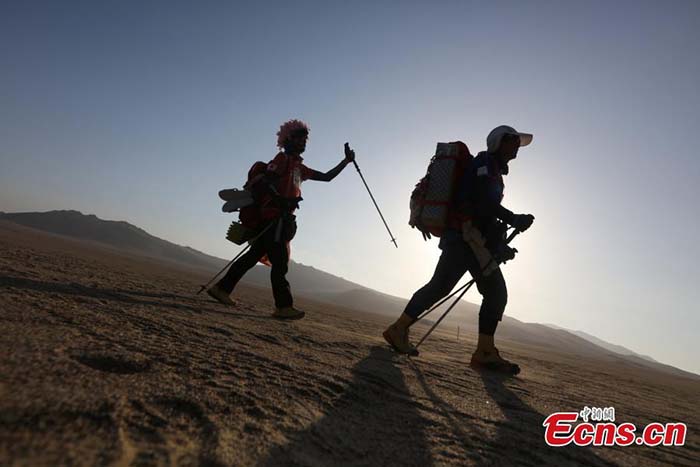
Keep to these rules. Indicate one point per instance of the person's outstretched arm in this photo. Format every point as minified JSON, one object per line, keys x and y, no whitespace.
{"x":331,"y":174}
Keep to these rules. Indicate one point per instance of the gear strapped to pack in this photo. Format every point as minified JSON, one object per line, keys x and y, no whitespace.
{"x":439,"y":199}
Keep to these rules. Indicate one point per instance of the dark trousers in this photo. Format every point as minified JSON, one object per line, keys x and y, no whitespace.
{"x":278,"y":255}
{"x":457,"y":258}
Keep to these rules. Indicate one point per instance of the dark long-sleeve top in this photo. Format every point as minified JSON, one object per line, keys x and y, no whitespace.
{"x":487,"y":193}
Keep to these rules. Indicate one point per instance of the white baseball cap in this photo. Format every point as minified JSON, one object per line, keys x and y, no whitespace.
{"x":493,"y":140}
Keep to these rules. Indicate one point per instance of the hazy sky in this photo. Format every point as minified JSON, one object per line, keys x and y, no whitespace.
{"x":142,"y":111}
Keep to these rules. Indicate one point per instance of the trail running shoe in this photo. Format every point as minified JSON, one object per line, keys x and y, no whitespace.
{"x":288,"y":312}
{"x":220,"y":295}
{"x":398,"y":340}
{"x":492,"y":361}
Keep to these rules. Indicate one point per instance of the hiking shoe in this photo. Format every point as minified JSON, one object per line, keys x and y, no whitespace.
{"x":220,"y":295}
{"x":288,"y":312}
{"x":492,"y":361}
{"x":398,"y":340}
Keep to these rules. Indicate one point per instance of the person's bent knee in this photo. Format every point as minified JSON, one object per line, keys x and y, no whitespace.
{"x":493,"y":306}
{"x":280,"y":269}
{"x":500,"y":300}
{"x":280,"y":272}
{"x":496,"y":293}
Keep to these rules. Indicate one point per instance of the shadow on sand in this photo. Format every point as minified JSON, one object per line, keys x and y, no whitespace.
{"x":131,"y":297}
{"x":520,"y":437}
{"x":374,"y":422}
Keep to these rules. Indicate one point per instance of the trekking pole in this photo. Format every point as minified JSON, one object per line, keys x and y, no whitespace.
{"x":375,"y":203}
{"x":468,"y":284}
{"x":425,"y":313}
{"x":445,"y":313}
{"x":203,"y":287}
{"x":465,"y":287}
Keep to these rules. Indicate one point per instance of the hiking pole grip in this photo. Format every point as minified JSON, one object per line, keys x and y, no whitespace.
{"x":357,"y":167}
{"x":512,"y":235}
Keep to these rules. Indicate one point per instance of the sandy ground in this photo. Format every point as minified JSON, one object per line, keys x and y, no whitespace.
{"x":112,"y":359}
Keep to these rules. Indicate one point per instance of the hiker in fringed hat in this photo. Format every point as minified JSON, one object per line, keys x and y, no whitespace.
{"x":277,"y":195}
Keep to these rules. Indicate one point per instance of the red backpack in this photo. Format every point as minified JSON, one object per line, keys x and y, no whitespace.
{"x":433,"y":207}
{"x":250,"y":215}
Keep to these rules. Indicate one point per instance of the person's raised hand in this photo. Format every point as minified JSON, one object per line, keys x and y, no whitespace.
{"x":522,"y":222}
{"x":349,"y":153}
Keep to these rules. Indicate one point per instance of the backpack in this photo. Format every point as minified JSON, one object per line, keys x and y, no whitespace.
{"x":255,"y":174}
{"x":247,"y":201}
{"x":438,"y":197}
{"x":250,"y":215}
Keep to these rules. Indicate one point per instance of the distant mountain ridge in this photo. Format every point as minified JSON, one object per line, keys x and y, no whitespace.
{"x":604,"y":344}
{"x":320,"y":285}
{"x":125,"y":236}
{"x":117,"y":234}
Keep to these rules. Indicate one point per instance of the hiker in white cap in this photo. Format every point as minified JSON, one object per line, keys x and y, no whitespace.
{"x":477,"y":246}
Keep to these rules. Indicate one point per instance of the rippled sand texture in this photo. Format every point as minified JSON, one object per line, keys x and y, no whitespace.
{"x":112,"y":359}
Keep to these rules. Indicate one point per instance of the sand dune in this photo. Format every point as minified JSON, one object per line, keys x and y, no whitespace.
{"x":109,"y":358}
